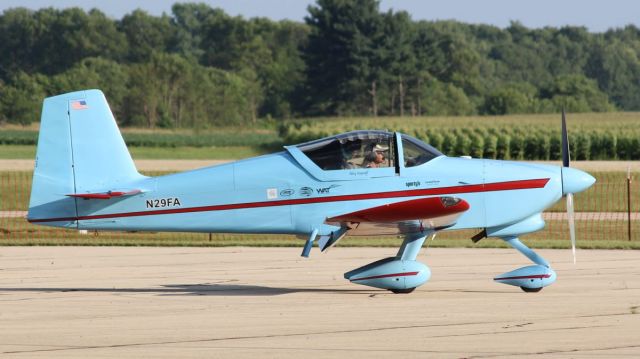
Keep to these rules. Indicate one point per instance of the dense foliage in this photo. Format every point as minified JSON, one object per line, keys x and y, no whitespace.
{"x":200,"y":67}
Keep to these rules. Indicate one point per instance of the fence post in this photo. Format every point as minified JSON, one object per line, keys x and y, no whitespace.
{"x":629,"y":202}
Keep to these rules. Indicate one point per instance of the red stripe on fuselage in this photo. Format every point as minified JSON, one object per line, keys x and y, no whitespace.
{"x":488,"y":187}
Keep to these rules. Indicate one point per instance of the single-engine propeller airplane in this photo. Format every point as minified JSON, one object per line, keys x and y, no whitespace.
{"x":355,"y":183}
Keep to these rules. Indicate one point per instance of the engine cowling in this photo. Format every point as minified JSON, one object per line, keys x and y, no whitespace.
{"x":391,"y":273}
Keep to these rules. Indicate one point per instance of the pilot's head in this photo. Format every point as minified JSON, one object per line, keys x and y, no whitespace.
{"x":380,"y":152}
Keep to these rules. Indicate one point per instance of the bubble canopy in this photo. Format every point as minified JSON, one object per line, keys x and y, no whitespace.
{"x":380,"y":152}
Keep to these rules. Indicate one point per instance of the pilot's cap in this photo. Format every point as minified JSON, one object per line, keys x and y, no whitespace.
{"x":380,"y":148}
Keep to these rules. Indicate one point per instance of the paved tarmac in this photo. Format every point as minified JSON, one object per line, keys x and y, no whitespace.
{"x":106,"y":302}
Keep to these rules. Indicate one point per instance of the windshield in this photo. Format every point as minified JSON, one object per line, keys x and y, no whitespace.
{"x":417,"y":152}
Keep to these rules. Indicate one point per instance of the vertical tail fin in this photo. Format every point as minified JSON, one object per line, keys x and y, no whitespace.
{"x":80,"y":150}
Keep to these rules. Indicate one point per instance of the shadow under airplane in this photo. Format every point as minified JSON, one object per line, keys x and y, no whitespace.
{"x":199,"y":289}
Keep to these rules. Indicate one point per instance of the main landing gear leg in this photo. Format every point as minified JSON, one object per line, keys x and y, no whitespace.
{"x":531,"y":278}
{"x":411,"y":246}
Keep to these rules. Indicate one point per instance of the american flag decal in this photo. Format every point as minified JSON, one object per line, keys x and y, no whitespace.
{"x":79,"y":105}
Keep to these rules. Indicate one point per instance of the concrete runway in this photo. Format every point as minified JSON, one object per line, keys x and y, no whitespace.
{"x":93,"y":302}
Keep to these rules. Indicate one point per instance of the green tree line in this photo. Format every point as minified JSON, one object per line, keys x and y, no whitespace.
{"x":199,"y":67}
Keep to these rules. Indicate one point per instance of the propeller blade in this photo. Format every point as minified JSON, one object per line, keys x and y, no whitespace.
{"x":565,"y":163}
{"x":572,"y":228}
{"x":565,"y":142}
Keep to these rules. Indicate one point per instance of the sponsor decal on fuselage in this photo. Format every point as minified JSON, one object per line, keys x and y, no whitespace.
{"x":272,"y":193}
{"x":287,"y":192}
{"x":413,"y":184}
{"x":326,"y":190}
{"x":306,"y":191}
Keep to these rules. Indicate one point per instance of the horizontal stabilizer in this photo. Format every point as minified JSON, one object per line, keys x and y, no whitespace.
{"x":106,"y":195}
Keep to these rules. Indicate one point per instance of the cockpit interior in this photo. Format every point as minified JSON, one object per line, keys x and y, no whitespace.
{"x":367,"y":149}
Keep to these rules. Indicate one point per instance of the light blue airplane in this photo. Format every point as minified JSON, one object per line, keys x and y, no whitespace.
{"x":356,"y":183}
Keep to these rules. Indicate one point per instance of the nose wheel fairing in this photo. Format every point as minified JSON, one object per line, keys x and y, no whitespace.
{"x":530,"y":278}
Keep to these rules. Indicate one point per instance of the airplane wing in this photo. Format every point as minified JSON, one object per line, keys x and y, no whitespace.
{"x":403,"y":217}
{"x":105,"y":195}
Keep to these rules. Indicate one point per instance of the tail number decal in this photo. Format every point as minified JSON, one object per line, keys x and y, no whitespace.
{"x":163,"y":202}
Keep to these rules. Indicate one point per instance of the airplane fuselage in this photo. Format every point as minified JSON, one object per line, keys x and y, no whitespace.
{"x":274,"y":194}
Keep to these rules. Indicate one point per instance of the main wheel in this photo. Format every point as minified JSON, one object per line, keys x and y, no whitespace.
{"x":403,"y":291}
{"x":531,"y":290}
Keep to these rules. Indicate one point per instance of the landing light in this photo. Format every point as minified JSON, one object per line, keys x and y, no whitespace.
{"x":449,"y":201}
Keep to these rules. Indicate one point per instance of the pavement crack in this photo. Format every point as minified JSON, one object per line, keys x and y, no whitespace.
{"x":266,"y":336}
{"x":516,"y":325}
{"x":519,"y":331}
{"x":558,"y":351}
{"x":348,"y":331}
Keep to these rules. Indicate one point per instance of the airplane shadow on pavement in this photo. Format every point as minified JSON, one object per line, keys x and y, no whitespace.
{"x":225,"y":290}
{"x":199,"y":289}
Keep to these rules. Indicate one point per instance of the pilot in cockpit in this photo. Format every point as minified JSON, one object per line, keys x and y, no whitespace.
{"x":375,"y":157}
